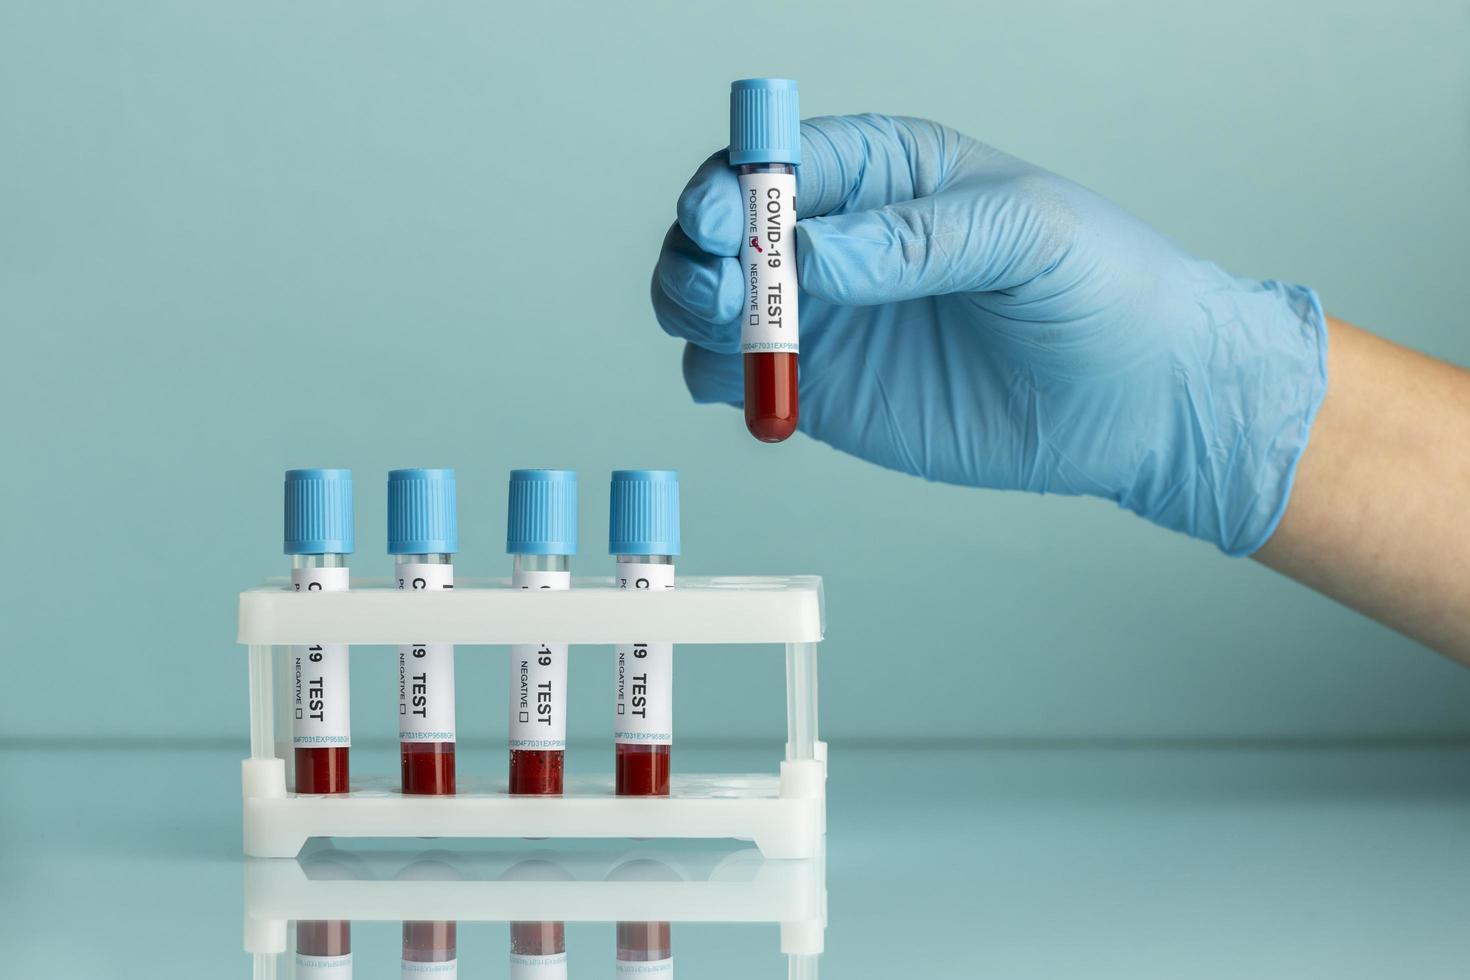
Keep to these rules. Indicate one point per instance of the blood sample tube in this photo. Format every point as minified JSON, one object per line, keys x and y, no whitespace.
{"x":643,"y":533}
{"x":765,"y":149}
{"x":541,"y":533}
{"x":423,"y":536}
{"x":319,"y":536}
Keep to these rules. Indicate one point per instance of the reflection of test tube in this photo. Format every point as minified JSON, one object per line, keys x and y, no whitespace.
{"x":324,"y":949}
{"x":765,"y":147}
{"x":645,"y":949}
{"x":324,"y":946}
{"x":319,"y":536}
{"x":541,"y":533}
{"x":538,"y":950}
{"x":643,"y":532}
{"x":430,"y":948}
{"x":423,"y":535}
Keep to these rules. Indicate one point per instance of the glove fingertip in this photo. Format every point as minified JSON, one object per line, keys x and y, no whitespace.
{"x":708,"y":286}
{"x":709,"y":208}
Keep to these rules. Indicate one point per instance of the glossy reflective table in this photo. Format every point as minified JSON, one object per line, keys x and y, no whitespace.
{"x":991,"y":858}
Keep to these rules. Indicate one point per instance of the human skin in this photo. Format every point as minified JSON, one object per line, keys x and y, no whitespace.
{"x":1377,"y":513}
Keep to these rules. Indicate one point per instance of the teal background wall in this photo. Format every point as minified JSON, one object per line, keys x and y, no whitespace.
{"x":236,"y":238}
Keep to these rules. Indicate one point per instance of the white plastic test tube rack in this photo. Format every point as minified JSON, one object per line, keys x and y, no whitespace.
{"x":782,"y":813}
{"x":713,"y":884}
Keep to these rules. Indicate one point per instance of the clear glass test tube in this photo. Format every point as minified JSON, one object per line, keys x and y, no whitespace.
{"x":319,"y":534}
{"x":423,"y":537}
{"x":541,"y":535}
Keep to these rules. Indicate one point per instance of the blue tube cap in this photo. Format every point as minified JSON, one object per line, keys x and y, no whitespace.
{"x":644,"y":513}
{"x":421,"y":513}
{"x":319,"y":512}
{"x":543,"y":513}
{"x":765,"y":121}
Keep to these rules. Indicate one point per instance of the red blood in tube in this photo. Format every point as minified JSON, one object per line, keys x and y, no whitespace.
{"x":324,"y":937}
{"x":536,"y":772}
{"x":642,"y":770}
{"x":430,"y":942}
{"x":321,"y":770}
{"x":428,"y":768}
{"x":770,"y":396}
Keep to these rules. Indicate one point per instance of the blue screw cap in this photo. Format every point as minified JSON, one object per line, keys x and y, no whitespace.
{"x":421,"y":513}
{"x":644,"y":513}
{"x":543,"y":513}
{"x":765,"y":121}
{"x":319,"y":512}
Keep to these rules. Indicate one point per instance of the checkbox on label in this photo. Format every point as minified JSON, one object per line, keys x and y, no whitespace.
{"x":525,"y":717}
{"x":403,"y":709}
{"x":298,"y":714}
{"x":620,"y":708}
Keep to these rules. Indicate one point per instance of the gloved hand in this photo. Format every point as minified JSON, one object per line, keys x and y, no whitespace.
{"x":969,"y":318}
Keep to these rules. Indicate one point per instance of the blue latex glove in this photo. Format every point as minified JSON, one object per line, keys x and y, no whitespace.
{"x":969,"y":318}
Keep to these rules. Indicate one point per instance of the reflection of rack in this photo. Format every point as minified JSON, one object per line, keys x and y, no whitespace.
{"x":782,"y":813}
{"x":703,"y":883}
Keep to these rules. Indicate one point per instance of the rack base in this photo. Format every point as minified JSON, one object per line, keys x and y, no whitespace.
{"x":784,"y":816}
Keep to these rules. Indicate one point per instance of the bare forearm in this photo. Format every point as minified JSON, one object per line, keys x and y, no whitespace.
{"x":1379,"y":515}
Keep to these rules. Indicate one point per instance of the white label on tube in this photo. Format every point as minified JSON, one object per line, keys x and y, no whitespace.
{"x":441,"y":970}
{"x":768,"y":256}
{"x":645,"y":671}
{"x":538,"y":679}
{"x":552,"y":966}
{"x":321,"y":704}
{"x":310,"y":967}
{"x":425,"y":670}
{"x":660,"y":969}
